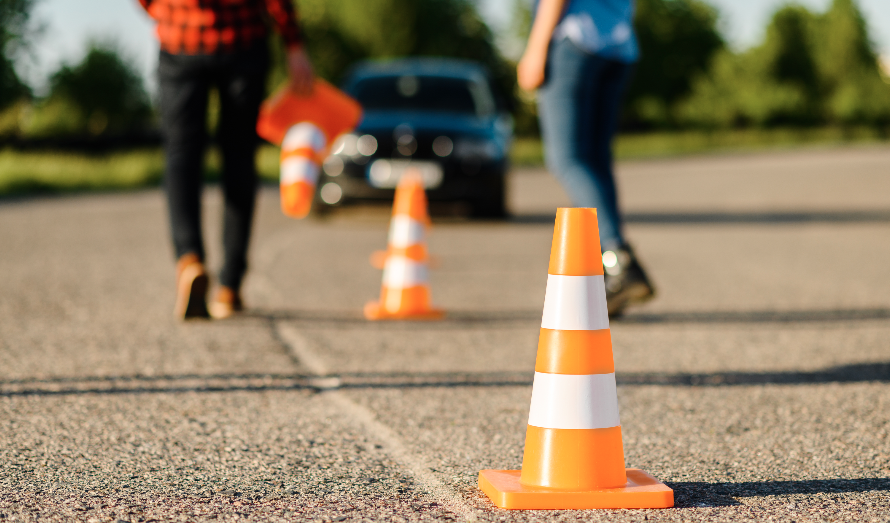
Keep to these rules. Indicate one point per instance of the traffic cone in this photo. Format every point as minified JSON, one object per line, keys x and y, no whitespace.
{"x":301,"y":152}
{"x":574,"y":457}
{"x":304,"y":126}
{"x":330,"y":109}
{"x":405,"y":293}
{"x":410,"y":219}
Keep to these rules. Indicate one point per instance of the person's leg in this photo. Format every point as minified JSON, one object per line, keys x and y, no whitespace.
{"x":184,"y":89}
{"x":579,"y":105}
{"x":569,"y":106}
{"x":241,"y":85}
{"x":626,"y":281}
{"x":605,"y":109}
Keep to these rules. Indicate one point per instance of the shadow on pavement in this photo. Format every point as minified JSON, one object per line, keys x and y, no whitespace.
{"x":701,"y":494}
{"x":855,"y":373}
{"x":468,"y":317}
{"x":799,"y":316}
{"x":731,"y":218}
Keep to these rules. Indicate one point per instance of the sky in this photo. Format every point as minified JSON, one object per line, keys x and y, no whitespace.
{"x":69,"y":25}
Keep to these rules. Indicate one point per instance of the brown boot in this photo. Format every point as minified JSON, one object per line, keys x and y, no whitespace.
{"x":191,"y":288}
{"x":226,"y":302}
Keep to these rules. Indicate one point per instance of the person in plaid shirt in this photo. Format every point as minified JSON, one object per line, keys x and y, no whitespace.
{"x":219,"y":44}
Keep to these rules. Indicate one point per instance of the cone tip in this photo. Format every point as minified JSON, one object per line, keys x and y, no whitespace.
{"x":410,"y":197}
{"x":576,"y":243}
{"x":573,"y":210}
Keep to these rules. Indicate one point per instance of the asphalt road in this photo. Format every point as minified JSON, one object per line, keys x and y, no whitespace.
{"x":757,"y":384}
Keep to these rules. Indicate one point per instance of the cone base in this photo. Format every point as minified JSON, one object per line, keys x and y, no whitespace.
{"x":641,"y":491}
{"x":374,"y":311}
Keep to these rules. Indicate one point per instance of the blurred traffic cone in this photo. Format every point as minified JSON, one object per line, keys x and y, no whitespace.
{"x":574,"y":458}
{"x":304,"y":126}
{"x":330,"y":109}
{"x":405,"y":293}
{"x":300,"y":165}
{"x":410,"y":219}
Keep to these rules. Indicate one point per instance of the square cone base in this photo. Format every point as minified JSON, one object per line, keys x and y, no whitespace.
{"x":641,"y":491}
{"x":374,"y":311}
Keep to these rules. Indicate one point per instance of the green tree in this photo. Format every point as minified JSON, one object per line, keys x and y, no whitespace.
{"x":811,"y":69}
{"x":14,"y":16}
{"x":342,"y":32}
{"x":678,"y":39}
{"x":848,"y":67}
{"x":774,"y":83}
{"x":102,"y":94}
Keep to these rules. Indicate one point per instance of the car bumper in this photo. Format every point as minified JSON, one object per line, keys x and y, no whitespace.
{"x":456,"y":185}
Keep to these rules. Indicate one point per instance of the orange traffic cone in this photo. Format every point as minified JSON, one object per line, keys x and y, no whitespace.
{"x":301,"y":152}
{"x":330,"y":109}
{"x":305,"y":126}
{"x":574,"y":458}
{"x":405,"y":293}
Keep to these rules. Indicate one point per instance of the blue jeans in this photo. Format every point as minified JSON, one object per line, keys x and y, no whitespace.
{"x":578,"y":107}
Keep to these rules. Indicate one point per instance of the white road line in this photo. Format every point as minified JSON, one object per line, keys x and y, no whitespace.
{"x":301,"y":348}
{"x":396,"y":449}
{"x":393,"y":446}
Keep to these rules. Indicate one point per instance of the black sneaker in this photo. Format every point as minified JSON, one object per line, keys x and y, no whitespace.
{"x":626,"y":281}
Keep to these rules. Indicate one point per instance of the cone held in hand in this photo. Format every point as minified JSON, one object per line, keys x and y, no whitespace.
{"x":574,"y":457}
{"x":301,"y":152}
{"x":305,"y":126}
{"x":405,"y":292}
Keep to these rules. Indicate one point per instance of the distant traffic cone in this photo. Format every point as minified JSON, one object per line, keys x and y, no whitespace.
{"x":405,"y":293}
{"x":574,"y":457}
{"x":301,"y":159}
{"x":410,"y":219}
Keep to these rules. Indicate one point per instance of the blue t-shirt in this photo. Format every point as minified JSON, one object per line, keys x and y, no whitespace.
{"x":601,"y":27}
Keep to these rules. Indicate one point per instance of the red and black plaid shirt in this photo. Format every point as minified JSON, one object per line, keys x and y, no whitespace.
{"x":211,"y":26}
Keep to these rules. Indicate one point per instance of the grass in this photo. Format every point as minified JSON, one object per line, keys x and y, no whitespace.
{"x":29,"y":172}
{"x":530,"y":152}
{"x":54,"y":172}
{"x":42,"y":172}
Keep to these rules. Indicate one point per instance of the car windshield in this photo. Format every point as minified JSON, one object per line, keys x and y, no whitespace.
{"x":424,"y":93}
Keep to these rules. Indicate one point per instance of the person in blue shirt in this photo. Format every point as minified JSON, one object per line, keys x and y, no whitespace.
{"x":579,"y":57}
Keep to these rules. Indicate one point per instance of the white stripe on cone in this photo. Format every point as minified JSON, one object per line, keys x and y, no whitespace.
{"x":568,"y":401}
{"x":303,"y":134}
{"x":575,"y":303}
{"x":296,"y":169}
{"x":400,"y":272}
{"x":405,"y":231}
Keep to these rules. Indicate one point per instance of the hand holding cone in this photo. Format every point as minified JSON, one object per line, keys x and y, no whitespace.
{"x":405,"y":292}
{"x":574,"y":457}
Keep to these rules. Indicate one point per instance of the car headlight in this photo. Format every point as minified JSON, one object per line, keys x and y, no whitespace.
{"x":346,"y":145}
{"x":366,"y":145}
{"x":476,"y":149}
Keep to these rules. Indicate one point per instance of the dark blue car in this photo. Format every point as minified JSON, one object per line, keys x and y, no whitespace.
{"x":439,"y":116}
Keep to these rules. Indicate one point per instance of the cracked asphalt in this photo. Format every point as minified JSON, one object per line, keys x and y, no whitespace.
{"x":756,"y":384}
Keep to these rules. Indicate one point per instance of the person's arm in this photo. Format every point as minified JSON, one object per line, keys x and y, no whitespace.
{"x":530,"y":71}
{"x":299,"y":69}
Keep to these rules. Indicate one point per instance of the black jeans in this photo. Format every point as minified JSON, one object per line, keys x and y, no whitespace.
{"x":185,"y":83}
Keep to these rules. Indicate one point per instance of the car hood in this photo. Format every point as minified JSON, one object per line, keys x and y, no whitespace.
{"x":380,"y":122}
